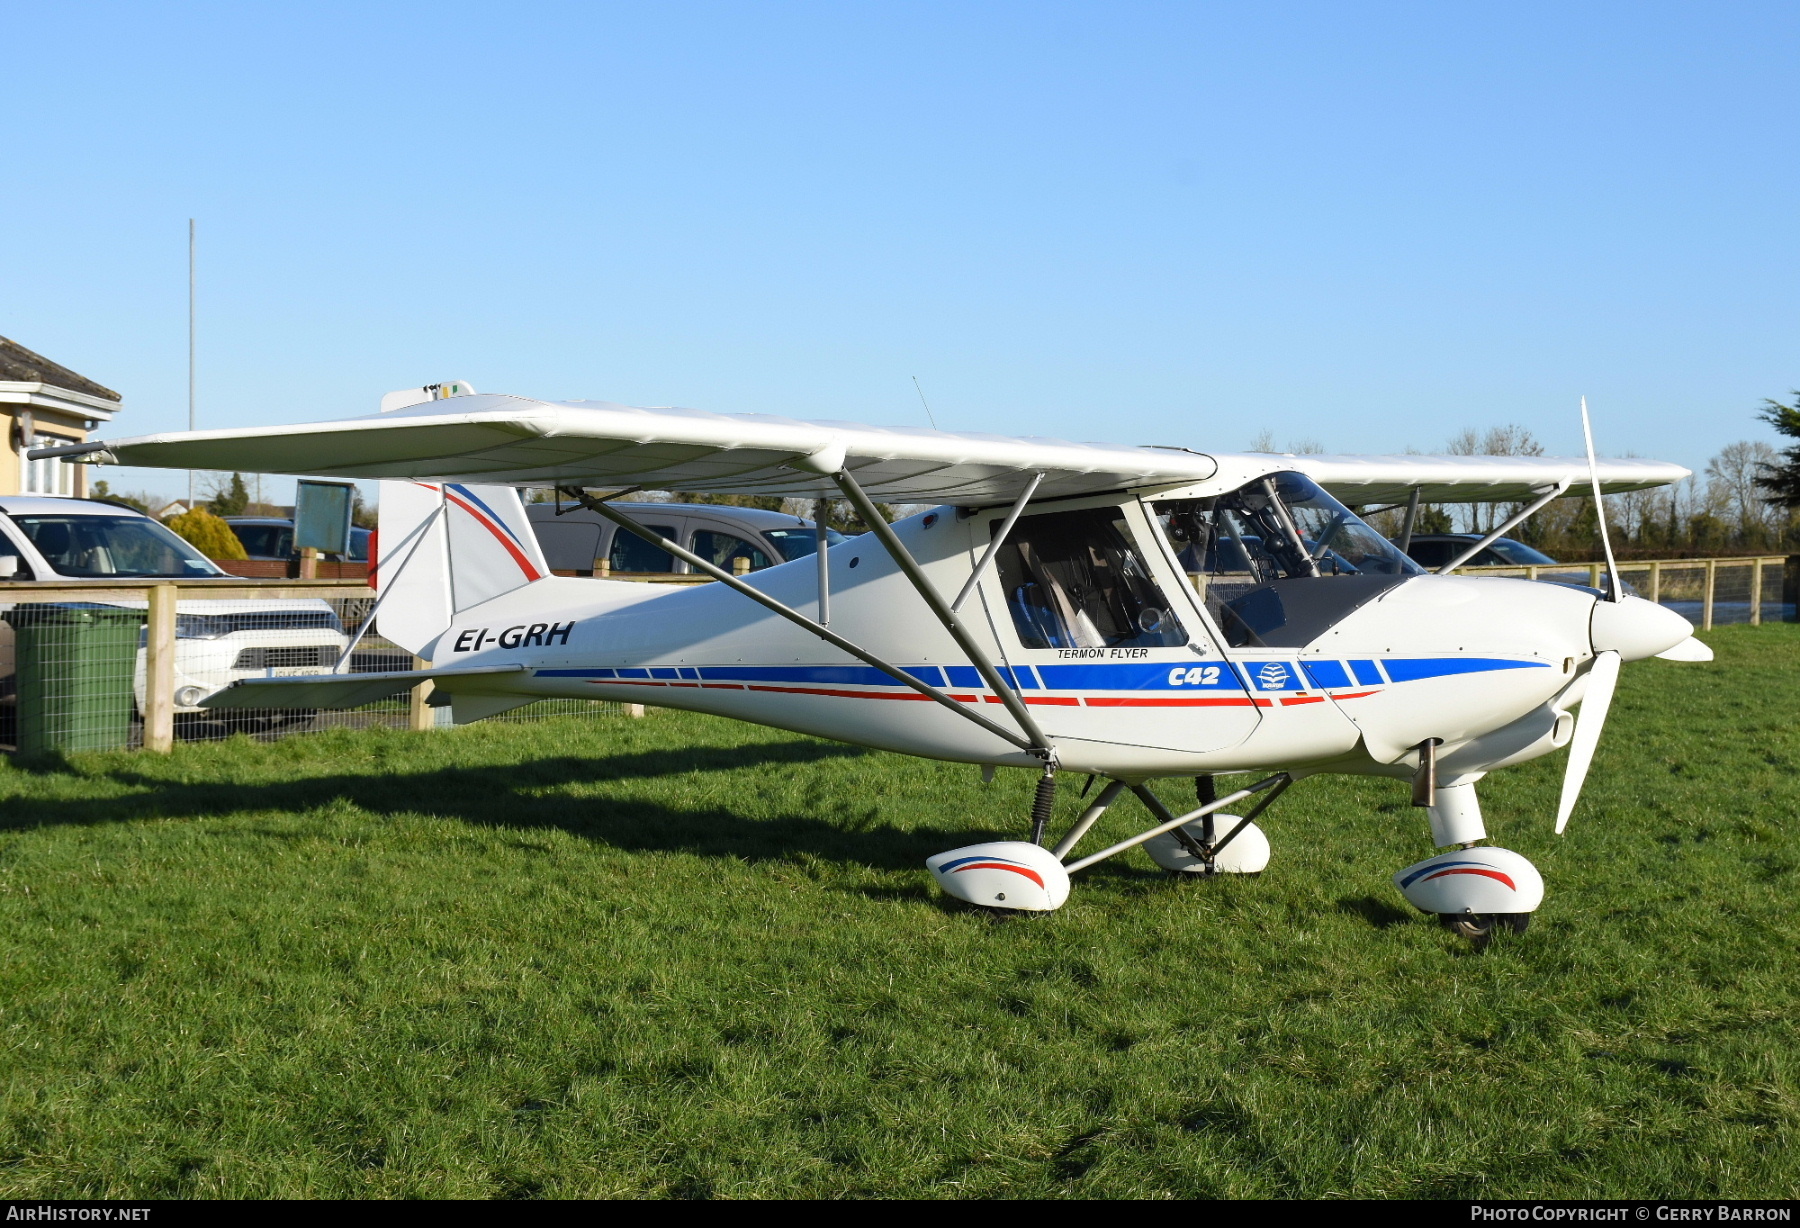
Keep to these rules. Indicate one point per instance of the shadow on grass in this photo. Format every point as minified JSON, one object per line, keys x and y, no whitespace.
{"x":512,"y":797}
{"x":1377,"y":912}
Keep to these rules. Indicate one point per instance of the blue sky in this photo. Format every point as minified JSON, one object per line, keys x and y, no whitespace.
{"x":1369,"y":225}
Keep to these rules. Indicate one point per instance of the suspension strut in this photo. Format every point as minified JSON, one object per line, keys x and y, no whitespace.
{"x":1043,"y":803}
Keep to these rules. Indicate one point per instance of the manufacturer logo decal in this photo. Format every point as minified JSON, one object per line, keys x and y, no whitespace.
{"x":1273,"y":676}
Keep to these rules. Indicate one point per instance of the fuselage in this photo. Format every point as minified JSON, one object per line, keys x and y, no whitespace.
{"x":1488,"y":667}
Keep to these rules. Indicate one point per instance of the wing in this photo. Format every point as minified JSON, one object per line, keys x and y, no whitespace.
{"x":1365,"y":480}
{"x":516,"y":441}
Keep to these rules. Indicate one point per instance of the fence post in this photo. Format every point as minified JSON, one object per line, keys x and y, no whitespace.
{"x":1531,"y":573}
{"x":1655,"y":582}
{"x":1593,"y":575}
{"x":1756,"y":592}
{"x":1790,"y":587}
{"x":420,"y":716}
{"x":159,"y":671}
{"x":1706,"y":602}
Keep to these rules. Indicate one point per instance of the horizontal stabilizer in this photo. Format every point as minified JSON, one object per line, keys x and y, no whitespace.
{"x":335,"y":690}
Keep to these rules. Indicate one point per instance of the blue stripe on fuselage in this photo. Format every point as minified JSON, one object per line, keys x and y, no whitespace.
{"x":1414,"y":669}
{"x":1137,"y":676}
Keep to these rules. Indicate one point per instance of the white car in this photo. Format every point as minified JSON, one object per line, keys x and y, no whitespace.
{"x":83,"y":541}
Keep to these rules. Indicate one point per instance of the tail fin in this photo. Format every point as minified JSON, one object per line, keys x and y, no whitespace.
{"x":445,"y":547}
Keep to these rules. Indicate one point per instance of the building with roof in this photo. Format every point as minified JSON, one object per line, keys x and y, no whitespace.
{"x":46,"y":403}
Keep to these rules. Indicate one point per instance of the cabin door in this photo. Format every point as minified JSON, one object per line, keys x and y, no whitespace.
{"x":1105,"y":640}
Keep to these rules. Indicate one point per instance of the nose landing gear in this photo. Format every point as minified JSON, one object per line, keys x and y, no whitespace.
{"x":1474,"y":890}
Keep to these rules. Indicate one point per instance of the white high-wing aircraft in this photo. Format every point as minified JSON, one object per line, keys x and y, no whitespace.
{"x":1127,"y":612}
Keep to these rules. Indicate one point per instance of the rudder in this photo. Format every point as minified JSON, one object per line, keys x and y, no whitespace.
{"x":446,"y":546}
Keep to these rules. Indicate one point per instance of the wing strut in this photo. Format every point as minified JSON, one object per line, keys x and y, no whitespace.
{"x":1500,"y":532}
{"x":794,"y":616}
{"x":822,"y":543}
{"x":1040,"y":745}
{"x":1412,"y":518}
{"x":1012,"y":518}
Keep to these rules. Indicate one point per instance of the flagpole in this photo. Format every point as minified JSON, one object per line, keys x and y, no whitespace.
{"x":191,"y":419}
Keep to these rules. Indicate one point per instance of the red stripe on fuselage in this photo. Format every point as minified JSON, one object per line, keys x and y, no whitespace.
{"x":1060,"y":701}
{"x":1111,"y":702}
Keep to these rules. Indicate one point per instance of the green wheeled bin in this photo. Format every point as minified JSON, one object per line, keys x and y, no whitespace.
{"x":76,"y":666}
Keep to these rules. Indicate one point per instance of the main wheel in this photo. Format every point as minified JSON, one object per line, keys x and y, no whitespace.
{"x":1248,"y":852}
{"x":1480,"y":927}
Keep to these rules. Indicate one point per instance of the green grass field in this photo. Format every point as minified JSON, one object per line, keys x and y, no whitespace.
{"x":682,"y":956}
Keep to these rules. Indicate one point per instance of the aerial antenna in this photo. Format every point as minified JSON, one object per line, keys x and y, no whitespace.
{"x":929,"y":416}
{"x":191,"y":419}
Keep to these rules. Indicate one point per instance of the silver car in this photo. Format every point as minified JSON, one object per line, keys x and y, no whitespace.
{"x":579,"y":542}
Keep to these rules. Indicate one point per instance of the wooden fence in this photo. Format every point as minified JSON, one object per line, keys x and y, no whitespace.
{"x":1673,"y":581}
{"x":159,"y":633}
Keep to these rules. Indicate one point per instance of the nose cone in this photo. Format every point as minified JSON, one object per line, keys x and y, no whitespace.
{"x":1635,"y":628}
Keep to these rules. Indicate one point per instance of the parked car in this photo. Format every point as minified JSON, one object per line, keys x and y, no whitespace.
{"x":1433,"y":550}
{"x":87,"y":542}
{"x":272,"y":538}
{"x":578,"y":541}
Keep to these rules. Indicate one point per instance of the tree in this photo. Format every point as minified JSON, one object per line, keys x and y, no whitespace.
{"x":1509,"y":440}
{"x":230,"y":499}
{"x":768,"y":503}
{"x":208,"y":534}
{"x":106,"y":494}
{"x":1736,"y":474}
{"x":1782,"y":481}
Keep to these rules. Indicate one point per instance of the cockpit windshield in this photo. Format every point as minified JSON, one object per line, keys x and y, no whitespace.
{"x":1258,"y":552}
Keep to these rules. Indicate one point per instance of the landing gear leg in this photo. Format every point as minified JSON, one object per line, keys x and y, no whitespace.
{"x":1474,"y":890}
{"x":1089,"y":817}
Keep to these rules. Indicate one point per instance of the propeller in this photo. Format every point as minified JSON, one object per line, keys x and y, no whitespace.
{"x":1612,"y":567}
{"x":1603,"y":678}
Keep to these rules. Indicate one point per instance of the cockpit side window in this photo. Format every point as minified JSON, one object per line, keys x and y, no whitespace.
{"x":1256,"y":552}
{"x":1073,"y":580}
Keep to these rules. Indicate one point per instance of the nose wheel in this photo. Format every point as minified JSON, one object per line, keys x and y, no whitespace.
{"x":1480,"y":928}
{"x":1474,"y":892}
